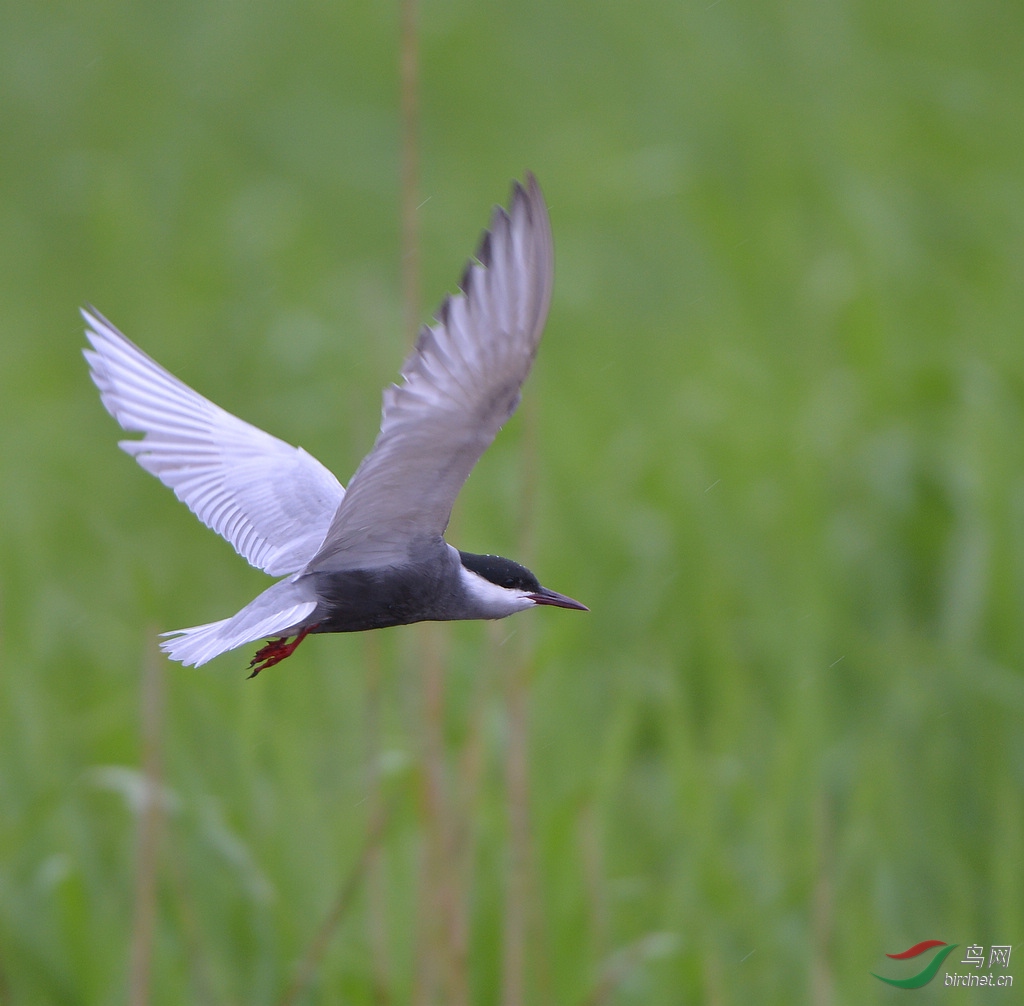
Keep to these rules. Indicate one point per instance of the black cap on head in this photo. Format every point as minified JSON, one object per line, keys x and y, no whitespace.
{"x":500,"y":571}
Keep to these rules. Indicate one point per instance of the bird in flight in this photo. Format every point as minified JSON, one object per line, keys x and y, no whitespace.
{"x":373,"y":555}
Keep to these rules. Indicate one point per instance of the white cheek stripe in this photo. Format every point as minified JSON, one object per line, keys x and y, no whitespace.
{"x":499,"y":600}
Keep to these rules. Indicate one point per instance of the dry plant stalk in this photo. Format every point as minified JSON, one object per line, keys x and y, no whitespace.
{"x":150,"y":827}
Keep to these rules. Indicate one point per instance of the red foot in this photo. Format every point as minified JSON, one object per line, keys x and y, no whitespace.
{"x":276,"y":650}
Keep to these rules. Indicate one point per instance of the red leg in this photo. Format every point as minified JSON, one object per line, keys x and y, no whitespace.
{"x":276,"y":650}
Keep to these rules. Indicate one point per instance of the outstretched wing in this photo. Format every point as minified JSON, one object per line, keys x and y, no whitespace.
{"x":271,"y":501}
{"x":460,"y":384}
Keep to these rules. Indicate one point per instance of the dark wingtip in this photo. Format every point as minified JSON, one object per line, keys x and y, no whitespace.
{"x":526,"y":191}
{"x":523,"y":194}
{"x":523,"y":200}
{"x":483,"y":253}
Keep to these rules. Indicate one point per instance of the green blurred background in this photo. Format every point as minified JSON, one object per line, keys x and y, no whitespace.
{"x":773,"y":439}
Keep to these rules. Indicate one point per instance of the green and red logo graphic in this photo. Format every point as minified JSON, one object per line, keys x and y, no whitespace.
{"x":930,"y":970}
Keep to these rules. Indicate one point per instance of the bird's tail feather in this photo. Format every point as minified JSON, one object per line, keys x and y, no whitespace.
{"x":278,"y":611}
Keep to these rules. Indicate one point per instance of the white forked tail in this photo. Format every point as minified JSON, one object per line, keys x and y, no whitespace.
{"x":280,"y":608}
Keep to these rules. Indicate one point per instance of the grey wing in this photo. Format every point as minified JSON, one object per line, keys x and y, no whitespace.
{"x":271,"y":501}
{"x":460,"y":384}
